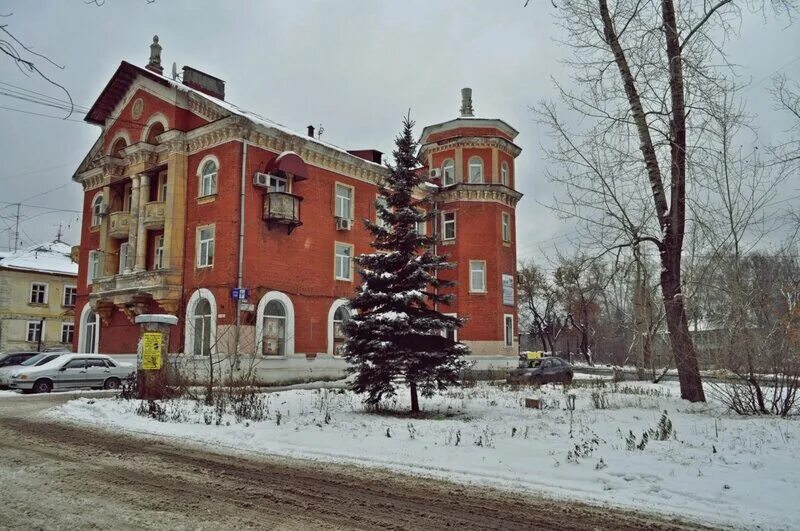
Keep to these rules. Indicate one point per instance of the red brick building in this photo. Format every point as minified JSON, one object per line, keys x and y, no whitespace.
{"x":187,"y":197}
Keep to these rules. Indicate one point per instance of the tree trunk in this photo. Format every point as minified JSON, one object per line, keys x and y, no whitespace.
{"x":414,"y":398}
{"x":682,"y":346}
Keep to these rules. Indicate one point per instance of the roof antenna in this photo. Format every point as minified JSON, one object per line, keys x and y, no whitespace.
{"x":320,"y":130}
{"x":174,"y":71}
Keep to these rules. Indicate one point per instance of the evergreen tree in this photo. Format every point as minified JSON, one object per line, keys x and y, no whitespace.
{"x":395,"y":333}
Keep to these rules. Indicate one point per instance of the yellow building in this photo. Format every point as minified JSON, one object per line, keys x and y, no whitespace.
{"x":37,"y":298}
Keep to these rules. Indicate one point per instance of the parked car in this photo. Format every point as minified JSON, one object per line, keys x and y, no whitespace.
{"x":33,"y":361}
{"x":542,"y":371}
{"x":8,"y":359}
{"x":73,"y":371}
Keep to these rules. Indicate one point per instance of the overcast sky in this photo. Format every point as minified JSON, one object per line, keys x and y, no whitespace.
{"x":353,"y":66}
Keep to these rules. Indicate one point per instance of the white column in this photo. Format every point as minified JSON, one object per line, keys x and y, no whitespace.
{"x":141,"y":239}
{"x":133,"y":222}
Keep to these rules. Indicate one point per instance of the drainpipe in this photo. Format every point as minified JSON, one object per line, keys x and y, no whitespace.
{"x":241,"y":249}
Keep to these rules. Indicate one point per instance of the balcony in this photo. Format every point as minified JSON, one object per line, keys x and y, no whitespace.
{"x":163,"y":286}
{"x":282,"y":208}
{"x":154,"y":215}
{"x":119,"y":224}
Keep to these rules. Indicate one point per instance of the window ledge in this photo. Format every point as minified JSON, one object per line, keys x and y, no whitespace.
{"x":506,"y":244}
{"x":343,"y":279}
{"x":38,"y":304}
{"x":203,"y":199}
{"x":477,"y":292}
{"x":94,"y":228}
{"x":449,"y":242}
{"x":197,"y":266}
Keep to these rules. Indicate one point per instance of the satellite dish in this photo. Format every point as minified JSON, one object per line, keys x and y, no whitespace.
{"x":174,"y":70}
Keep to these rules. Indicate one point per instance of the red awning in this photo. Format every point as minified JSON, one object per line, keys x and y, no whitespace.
{"x":289,"y":162}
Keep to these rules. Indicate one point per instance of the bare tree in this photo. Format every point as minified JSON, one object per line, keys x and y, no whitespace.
{"x":646,"y":72}
{"x":539,"y":305}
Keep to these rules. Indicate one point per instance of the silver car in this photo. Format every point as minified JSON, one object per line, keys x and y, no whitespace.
{"x":73,"y":371}
{"x":34,"y":361}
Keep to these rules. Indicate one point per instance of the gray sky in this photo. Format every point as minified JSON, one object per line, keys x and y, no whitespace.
{"x":353,"y":66}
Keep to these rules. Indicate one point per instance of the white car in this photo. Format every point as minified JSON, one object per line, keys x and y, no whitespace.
{"x":73,"y":371}
{"x":33,"y":361}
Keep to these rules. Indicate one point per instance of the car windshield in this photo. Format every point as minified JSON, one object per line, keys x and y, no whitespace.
{"x":534,"y":364}
{"x":32,"y":360}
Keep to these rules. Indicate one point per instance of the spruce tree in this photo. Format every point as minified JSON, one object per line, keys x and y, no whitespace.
{"x":395,"y":335}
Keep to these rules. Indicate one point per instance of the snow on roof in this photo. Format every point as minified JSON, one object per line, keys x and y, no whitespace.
{"x":253,"y":117}
{"x":52,"y":257}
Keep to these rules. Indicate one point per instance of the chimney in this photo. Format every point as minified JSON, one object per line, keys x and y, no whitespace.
{"x":205,"y":83}
{"x":466,"y":103}
{"x":154,"y":65}
{"x":311,"y":131}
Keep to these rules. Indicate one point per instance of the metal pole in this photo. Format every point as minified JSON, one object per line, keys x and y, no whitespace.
{"x":16,"y":230}
{"x":41,"y":332}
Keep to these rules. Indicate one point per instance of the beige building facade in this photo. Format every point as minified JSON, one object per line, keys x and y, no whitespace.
{"x":38,"y":289}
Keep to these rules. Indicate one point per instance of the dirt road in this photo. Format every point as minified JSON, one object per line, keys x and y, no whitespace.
{"x":63,"y":476}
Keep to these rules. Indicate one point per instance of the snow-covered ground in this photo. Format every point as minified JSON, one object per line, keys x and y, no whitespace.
{"x":715,"y":466}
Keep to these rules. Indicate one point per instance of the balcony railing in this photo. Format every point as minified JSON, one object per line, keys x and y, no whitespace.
{"x":154,"y":215}
{"x":282,"y":208}
{"x":119,"y":224}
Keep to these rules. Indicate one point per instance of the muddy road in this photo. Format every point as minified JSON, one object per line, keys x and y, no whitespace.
{"x":63,"y":476}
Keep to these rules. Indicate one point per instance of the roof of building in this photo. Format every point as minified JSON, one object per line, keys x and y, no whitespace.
{"x":51,"y":257}
{"x":127,"y":72}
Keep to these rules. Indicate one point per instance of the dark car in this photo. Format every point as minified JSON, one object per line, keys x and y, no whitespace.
{"x":15,"y":358}
{"x":542,"y":371}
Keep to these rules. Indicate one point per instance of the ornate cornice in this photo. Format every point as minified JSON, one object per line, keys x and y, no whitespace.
{"x":204,"y":108}
{"x":497,"y":193}
{"x":471,"y":142}
{"x":141,"y":153}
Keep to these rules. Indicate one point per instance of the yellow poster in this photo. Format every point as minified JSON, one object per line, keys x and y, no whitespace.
{"x":151,"y":350}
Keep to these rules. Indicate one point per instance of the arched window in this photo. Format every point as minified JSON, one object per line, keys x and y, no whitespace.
{"x":340,"y":317}
{"x":504,"y":174}
{"x":89,"y":331}
{"x":448,"y":172}
{"x":97,"y":210}
{"x":155,"y":130}
{"x":201,"y":323}
{"x":274,"y":341}
{"x":208,"y":178}
{"x":119,"y":145}
{"x":202,"y":328}
{"x":475,"y":170}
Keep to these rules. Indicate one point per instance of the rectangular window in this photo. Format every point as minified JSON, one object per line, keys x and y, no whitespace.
{"x":506,"y":223}
{"x":70,"y":294}
{"x":38,"y":293}
{"x":343,"y":262}
{"x":162,"y":187}
{"x":67,"y":332}
{"x":421,"y":228}
{"x":448,"y":173}
{"x":344,"y":201}
{"x":208,"y":180}
{"x":380,"y":201}
{"x":158,"y":255}
{"x":278,"y":184}
{"x":477,"y":276}
{"x":508,"y":330}
{"x":452,"y":335}
{"x":205,"y":247}
{"x":448,"y":225}
{"x":94,"y":266}
{"x":34,"y":331}
{"x":124,"y":258}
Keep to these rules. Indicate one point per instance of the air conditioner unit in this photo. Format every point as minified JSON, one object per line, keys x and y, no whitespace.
{"x":261,"y":179}
{"x":435,"y":173}
{"x":343,"y":224}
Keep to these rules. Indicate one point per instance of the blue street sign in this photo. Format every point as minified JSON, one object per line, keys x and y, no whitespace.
{"x":240,"y":294}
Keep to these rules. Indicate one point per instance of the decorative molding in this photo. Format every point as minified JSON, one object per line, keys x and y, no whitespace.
{"x":471,"y":142}
{"x":496,"y":193}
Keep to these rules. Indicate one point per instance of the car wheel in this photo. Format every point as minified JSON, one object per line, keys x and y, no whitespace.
{"x":42,"y":386}
{"x":568,"y":378}
{"x":112,"y":383}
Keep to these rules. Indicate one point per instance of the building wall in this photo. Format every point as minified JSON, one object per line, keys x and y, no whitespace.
{"x":16,"y":310}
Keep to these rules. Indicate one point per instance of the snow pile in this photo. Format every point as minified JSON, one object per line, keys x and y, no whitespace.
{"x":711,"y":465}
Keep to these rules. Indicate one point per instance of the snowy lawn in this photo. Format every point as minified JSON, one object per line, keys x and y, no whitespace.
{"x":713,"y":466}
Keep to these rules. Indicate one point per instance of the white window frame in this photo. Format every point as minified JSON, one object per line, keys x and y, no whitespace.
{"x":45,"y":292}
{"x":211,"y":178}
{"x":504,"y":174}
{"x":127,"y":197}
{"x":69,"y":302}
{"x":158,"y":252}
{"x":71,"y":332}
{"x":508,"y":339}
{"x":188,"y":333}
{"x":421,"y":228}
{"x":331,"y":314}
{"x":379,"y":199}
{"x":445,"y":223}
{"x":337,"y":259}
{"x":209,"y":245}
{"x":97,"y":207}
{"x":448,"y":164}
{"x":91,"y":329}
{"x":37,"y":325}
{"x":454,"y":330}
{"x":278,"y":183}
{"x":475,"y":162}
{"x":472,"y":287}
{"x":339,"y":201}
{"x":93,"y":267}
{"x":124,"y":257}
{"x":260,"y":315}
{"x":505,"y":226}
{"x":163,"y":185}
